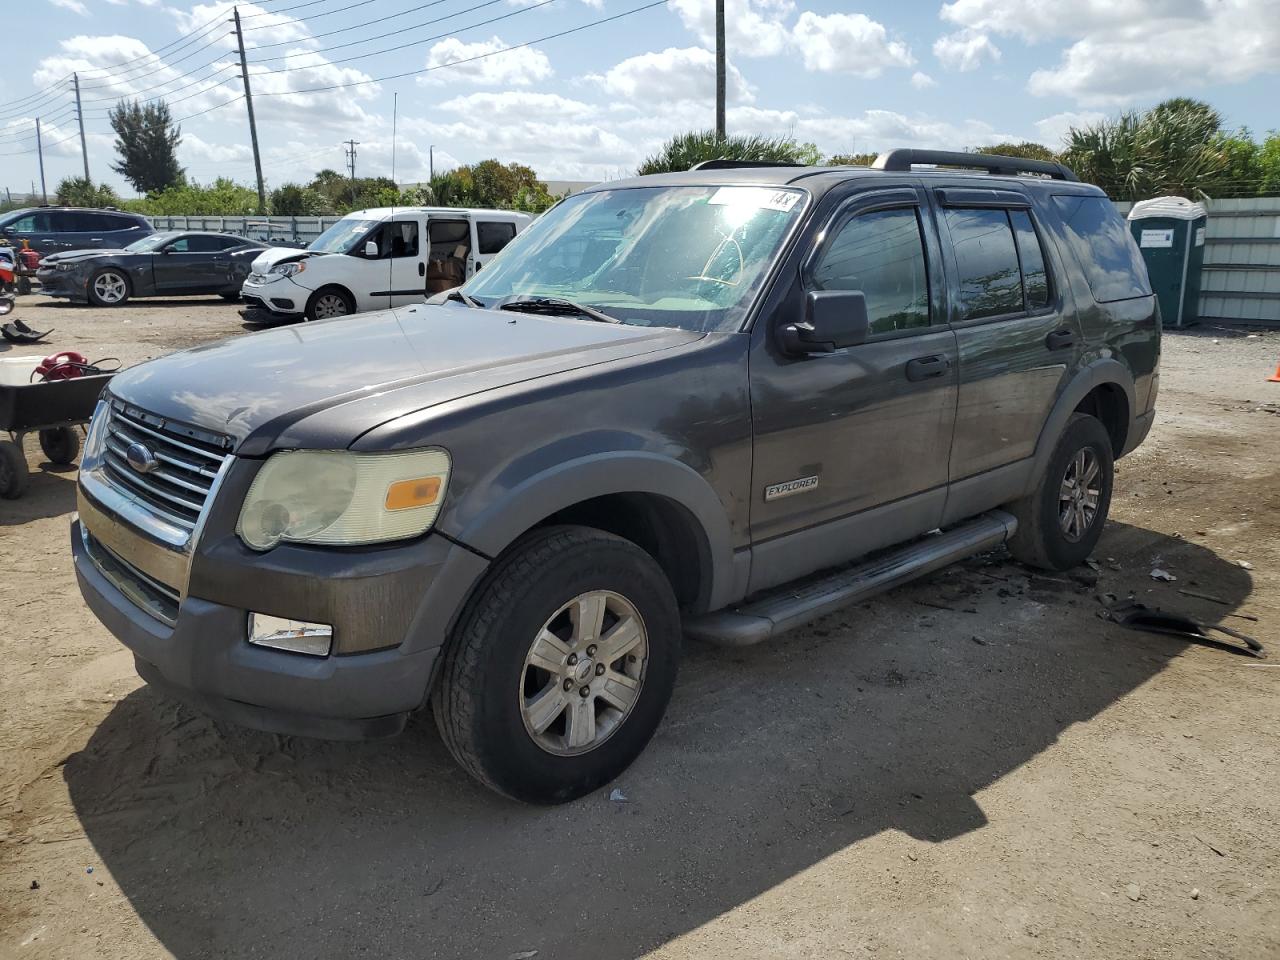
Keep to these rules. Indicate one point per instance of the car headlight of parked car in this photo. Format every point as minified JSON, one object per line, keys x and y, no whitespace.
{"x":340,"y":498}
{"x":287,"y":269}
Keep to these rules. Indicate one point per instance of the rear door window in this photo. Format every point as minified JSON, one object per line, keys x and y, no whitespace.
{"x":880,"y":254}
{"x":493,"y":236}
{"x":987,"y":260}
{"x":1035,"y":278}
{"x":203,"y":243}
{"x":1105,"y":250}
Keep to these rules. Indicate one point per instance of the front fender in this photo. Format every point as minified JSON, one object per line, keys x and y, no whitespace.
{"x":543,"y":494}
{"x":1105,"y":370}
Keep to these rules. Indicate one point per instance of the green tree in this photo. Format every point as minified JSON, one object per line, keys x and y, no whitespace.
{"x":1175,"y":147}
{"x":1026,"y":150}
{"x":489,"y":183}
{"x":292,"y":200}
{"x":697,"y":146}
{"x":147,"y":142}
{"x":1269,"y":165}
{"x":222,"y":198}
{"x":851,"y":159}
{"x":79,"y":192}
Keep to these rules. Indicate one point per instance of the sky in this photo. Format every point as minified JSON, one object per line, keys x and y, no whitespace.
{"x":488,"y":78}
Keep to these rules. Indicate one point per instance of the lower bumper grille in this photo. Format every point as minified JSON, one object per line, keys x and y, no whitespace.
{"x":156,"y":598}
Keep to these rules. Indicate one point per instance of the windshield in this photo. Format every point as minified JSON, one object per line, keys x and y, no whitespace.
{"x":342,"y":236}
{"x":689,"y":257}
{"x":153,"y":242}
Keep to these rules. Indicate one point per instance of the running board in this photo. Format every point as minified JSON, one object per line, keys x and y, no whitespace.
{"x":792,"y":605}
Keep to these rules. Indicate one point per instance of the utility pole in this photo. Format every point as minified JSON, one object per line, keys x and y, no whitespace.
{"x":431,"y":162}
{"x":351,"y":165}
{"x":720,"y":70}
{"x":248,"y":99}
{"x":84,"y":149}
{"x":44,"y":191}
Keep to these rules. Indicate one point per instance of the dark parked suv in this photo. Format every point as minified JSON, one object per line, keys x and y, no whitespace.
{"x":720,"y":402}
{"x":55,"y":229}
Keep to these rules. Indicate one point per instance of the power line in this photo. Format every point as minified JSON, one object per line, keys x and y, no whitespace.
{"x":411,"y":43}
{"x":459,"y":62}
{"x":329,"y":33}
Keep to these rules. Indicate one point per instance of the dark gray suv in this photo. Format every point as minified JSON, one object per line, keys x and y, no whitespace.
{"x":719,"y":403}
{"x":58,"y":229}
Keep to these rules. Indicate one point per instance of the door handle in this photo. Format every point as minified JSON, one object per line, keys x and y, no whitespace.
{"x":422,"y":269}
{"x":1060,"y":340}
{"x":926,"y":368}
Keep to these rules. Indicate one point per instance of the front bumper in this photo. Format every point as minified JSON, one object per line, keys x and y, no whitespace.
{"x":60,"y":283}
{"x":281,"y":297}
{"x":403,"y":599}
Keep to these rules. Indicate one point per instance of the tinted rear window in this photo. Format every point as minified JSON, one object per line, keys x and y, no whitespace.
{"x":990,"y":284}
{"x":1102,"y":244}
{"x":493,"y":236}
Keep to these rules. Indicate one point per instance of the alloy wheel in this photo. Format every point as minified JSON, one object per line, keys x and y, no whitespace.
{"x":110,"y":287}
{"x":583,"y":673}
{"x":1078,"y":495}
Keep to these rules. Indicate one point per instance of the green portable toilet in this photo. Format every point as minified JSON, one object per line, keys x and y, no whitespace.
{"x":1170,"y":234}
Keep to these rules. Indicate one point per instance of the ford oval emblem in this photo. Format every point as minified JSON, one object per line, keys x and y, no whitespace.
{"x":140,"y":458}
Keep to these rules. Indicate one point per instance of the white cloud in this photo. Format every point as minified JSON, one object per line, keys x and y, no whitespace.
{"x":753,"y":28}
{"x":922,"y":81}
{"x":1123,"y":51}
{"x":520,"y":67}
{"x":671,"y":76}
{"x":75,"y":6}
{"x":1052,"y":131}
{"x":965,"y":50}
{"x":260,"y":25}
{"x":869,"y":132}
{"x":517,"y":105}
{"x":1117,"y":67}
{"x":847,"y":43}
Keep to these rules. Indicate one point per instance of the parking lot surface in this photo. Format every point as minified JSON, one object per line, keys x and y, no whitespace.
{"x":975,"y":765}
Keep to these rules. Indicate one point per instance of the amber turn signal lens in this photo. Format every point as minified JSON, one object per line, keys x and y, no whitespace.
{"x":406,"y":494}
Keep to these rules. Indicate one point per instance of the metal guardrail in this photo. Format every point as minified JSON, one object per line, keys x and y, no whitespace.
{"x":286,"y":231}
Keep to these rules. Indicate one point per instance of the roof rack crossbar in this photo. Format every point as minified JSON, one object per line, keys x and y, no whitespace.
{"x":722,"y":163}
{"x":903,"y":159}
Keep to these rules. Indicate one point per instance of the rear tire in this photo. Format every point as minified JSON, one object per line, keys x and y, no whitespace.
{"x":329,"y":302}
{"x":13,"y":470}
{"x":566,"y":610}
{"x":1060,"y":523}
{"x":60,"y":444}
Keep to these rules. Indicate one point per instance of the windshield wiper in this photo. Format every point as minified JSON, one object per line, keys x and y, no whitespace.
{"x":460,"y":297}
{"x":557,"y":306}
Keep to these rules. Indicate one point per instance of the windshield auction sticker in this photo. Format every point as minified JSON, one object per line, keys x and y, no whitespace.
{"x":761,"y":198}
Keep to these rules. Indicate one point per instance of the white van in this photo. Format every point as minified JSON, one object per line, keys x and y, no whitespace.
{"x":384,"y":257}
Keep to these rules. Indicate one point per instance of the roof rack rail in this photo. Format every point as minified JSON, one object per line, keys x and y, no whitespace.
{"x":902,"y":160}
{"x":721,"y":163}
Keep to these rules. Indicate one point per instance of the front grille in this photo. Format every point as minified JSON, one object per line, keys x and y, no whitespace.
{"x":188,"y":460}
{"x":156,"y":598}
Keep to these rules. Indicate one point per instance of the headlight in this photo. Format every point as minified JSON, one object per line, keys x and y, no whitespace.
{"x":288,"y":269}
{"x":338,"y":498}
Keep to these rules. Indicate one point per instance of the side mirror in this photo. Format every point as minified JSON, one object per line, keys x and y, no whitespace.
{"x":833,"y":319}
{"x":371,"y":248}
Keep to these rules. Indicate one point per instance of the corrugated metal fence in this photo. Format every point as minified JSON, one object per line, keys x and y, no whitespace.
{"x":1241,"y":278}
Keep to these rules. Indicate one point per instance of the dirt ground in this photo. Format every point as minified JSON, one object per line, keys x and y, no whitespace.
{"x":972,"y":766}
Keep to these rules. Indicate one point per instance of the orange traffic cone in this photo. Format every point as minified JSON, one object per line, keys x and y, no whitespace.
{"x":1275,"y":377}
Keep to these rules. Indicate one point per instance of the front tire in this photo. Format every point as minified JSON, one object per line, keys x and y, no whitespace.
{"x":109,"y":287}
{"x":329,"y":302}
{"x":560,"y":669}
{"x":1060,"y":523}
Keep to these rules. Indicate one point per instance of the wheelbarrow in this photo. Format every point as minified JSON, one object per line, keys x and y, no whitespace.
{"x":54,"y":408}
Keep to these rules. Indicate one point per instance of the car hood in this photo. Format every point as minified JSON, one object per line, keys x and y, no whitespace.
{"x":324,"y":384}
{"x":272,"y":255}
{"x":70,"y":256}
